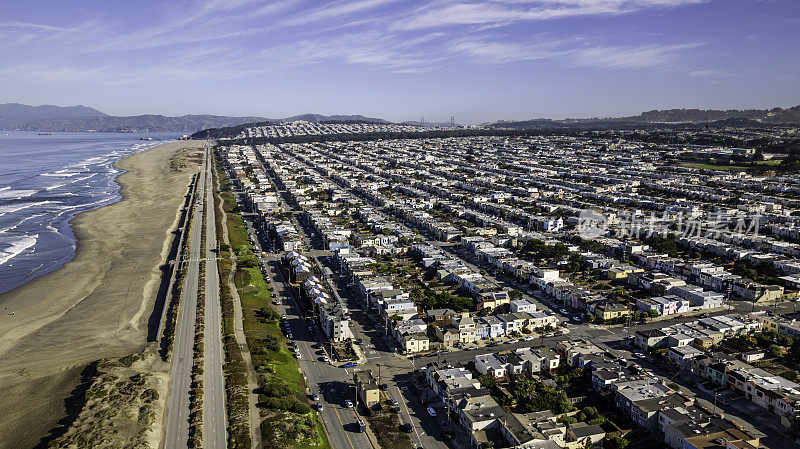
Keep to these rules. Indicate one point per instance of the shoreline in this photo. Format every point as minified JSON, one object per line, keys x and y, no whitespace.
{"x":95,"y":305}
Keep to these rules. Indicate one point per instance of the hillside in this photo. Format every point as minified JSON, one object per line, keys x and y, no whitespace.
{"x":47,"y":118}
{"x":732,"y":117}
{"x":16,"y":111}
{"x":771,"y":116}
{"x":137,"y":123}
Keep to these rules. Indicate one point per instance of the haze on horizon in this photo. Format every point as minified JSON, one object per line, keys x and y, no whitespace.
{"x":478,"y":61}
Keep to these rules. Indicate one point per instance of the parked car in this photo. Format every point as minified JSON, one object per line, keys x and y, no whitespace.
{"x":405,"y":428}
{"x":319,"y":406}
{"x":350,"y":365}
{"x":431,"y":412}
{"x":394,"y":401}
{"x":361,"y":425}
{"x":315,"y":397}
{"x":348,"y":403}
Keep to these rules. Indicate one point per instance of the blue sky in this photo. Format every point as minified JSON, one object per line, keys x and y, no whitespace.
{"x":401,"y":60}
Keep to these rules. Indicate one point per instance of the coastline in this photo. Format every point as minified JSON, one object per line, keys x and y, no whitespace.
{"x":96,"y":305}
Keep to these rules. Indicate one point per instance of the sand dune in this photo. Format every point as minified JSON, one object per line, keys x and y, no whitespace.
{"x":95,"y":306}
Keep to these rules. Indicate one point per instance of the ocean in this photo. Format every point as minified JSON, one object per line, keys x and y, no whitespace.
{"x":44,"y":181}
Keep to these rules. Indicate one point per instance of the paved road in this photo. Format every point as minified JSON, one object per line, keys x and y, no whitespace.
{"x":176,"y":431}
{"x":395,"y":370}
{"x":323,"y":378}
{"x":214,"y":417}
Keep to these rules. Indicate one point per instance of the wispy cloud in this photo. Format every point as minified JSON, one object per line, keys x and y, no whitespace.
{"x":35,"y":26}
{"x":627,"y":57}
{"x":249,"y":37}
{"x":499,"y":13}
{"x":333,"y":10}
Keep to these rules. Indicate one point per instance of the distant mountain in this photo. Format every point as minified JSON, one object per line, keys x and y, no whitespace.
{"x":16,"y":111}
{"x":770,"y":116}
{"x":731,"y":117}
{"x":14,"y":116}
{"x":317,"y":118}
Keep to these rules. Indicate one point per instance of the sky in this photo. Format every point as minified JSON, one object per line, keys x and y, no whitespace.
{"x":401,"y":60}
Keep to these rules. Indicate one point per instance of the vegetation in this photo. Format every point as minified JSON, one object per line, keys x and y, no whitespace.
{"x":385,"y":426}
{"x":430,"y":299}
{"x":534,"y":396}
{"x":288,"y":421}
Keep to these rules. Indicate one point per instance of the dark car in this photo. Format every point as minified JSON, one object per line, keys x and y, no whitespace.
{"x":405,"y":427}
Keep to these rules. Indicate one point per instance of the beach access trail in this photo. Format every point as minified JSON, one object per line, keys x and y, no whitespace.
{"x":96,"y":306}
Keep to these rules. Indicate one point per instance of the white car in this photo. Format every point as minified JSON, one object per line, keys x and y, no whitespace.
{"x":531,"y":338}
{"x":348,"y":403}
{"x":431,"y":412}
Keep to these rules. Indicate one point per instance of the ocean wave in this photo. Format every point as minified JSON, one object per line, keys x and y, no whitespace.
{"x":11,"y":208}
{"x":8,"y":192}
{"x":16,"y":247}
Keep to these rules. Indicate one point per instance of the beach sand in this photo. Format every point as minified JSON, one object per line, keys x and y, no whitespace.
{"x":95,"y":306}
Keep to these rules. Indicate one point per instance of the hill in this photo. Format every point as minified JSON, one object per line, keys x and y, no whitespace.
{"x":712,"y":117}
{"x":47,"y":118}
{"x":16,"y":111}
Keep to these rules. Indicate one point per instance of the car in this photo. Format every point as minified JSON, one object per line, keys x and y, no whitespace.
{"x":384,"y":387}
{"x":681,"y":316}
{"x":549,"y":334}
{"x":431,"y":412}
{"x":315,"y":397}
{"x":531,"y":338}
{"x":394,"y":401}
{"x":325,"y":358}
{"x":361,"y":425}
{"x":319,"y":406}
{"x":405,"y":428}
{"x":283,"y":317}
{"x":348,"y":403}
{"x":350,"y":365}
{"x":511,"y":342}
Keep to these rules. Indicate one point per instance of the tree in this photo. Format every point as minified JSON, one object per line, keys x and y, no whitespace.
{"x":616,"y":443}
{"x":774,"y":350}
{"x":652,"y":313}
{"x":514,"y":295}
{"x":533,"y":396}
{"x":790,"y":375}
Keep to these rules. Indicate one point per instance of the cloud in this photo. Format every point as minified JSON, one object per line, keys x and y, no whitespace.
{"x":35,"y":26}
{"x":626,"y":57}
{"x":508,"y":12}
{"x":484,"y":51}
{"x":492,"y":52}
{"x":333,"y":10}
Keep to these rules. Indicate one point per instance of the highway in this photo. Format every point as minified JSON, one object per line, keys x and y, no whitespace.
{"x":215,"y":421}
{"x":176,"y":429}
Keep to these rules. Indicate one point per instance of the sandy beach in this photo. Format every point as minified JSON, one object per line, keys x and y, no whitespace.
{"x":95,"y":306}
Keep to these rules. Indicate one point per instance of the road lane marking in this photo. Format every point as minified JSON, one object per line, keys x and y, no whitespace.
{"x":345,"y":432}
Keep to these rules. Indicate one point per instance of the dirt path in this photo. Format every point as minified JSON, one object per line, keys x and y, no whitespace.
{"x":252,"y":376}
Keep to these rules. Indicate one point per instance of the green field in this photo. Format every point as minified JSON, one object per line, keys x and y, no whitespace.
{"x":275,"y":365}
{"x":773,"y":162}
